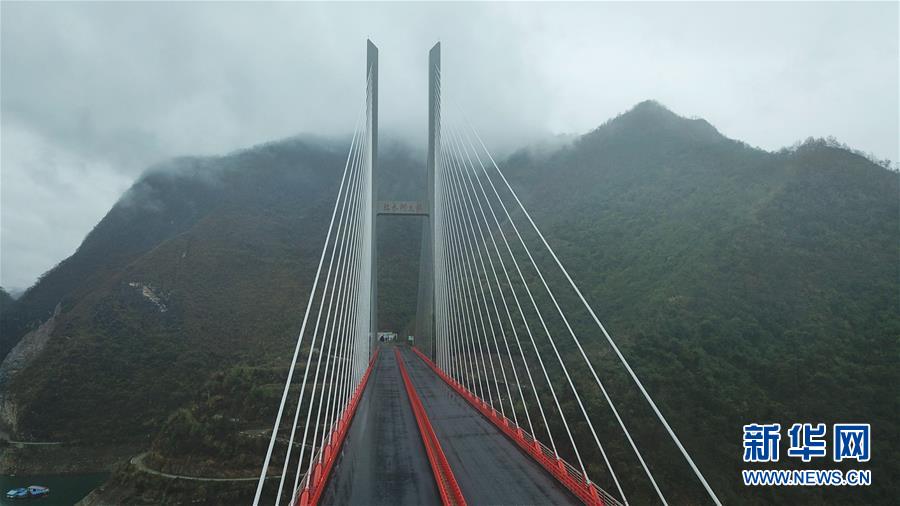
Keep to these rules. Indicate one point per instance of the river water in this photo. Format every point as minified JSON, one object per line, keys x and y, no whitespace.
{"x":65,"y":489}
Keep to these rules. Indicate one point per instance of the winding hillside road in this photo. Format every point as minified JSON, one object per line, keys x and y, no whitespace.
{"x":138,"y":462}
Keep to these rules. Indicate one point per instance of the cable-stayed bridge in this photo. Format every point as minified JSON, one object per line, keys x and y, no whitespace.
{"x":497,"y":400}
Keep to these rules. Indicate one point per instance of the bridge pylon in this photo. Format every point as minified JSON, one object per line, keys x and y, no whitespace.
{"x":372,"y":124}
{"x":425,"y":322}
{"x":425,"y":300}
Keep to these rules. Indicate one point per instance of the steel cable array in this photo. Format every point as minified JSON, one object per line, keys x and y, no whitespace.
{"x":477,"y":235}
{"x":337,"y":356}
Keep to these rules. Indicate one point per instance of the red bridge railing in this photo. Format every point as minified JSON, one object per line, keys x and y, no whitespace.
{"x":565,"y":473}
{"x":313,"y":484}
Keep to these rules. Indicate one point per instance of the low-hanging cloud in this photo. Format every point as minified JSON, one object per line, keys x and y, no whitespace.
{"x":93,"y":93}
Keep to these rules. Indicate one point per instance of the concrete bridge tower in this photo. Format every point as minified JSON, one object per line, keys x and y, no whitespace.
{"x":425,"y":322}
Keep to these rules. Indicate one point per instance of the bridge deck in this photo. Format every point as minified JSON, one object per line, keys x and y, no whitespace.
{"x":490,"y":468}
{"x":383,"y":461}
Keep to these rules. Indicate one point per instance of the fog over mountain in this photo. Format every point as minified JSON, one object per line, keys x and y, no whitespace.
{"x":94,"y":92}
{"x":742,"y":284}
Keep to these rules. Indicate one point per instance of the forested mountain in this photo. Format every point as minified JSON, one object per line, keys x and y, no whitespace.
{"x":6,"y":304}
{"x":745,"y":286}
{"x":6,"y":299}
{"x":7,"y":339}
{"x":202,"y":264}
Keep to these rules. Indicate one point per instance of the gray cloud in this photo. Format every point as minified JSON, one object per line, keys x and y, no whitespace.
{"x":93,"y":93}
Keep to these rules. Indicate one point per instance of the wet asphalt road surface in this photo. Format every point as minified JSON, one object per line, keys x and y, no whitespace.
{"x":383,"y":460}
{"x":489,"y":468}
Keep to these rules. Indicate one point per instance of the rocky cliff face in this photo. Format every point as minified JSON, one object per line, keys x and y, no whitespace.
{"x":23,"y":354}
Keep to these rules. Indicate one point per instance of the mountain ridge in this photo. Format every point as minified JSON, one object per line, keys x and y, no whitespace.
{"x":710,"y":260}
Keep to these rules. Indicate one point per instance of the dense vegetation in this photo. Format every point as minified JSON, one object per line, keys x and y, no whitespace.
{"x":220,"y":431}
{"x":6,"y":305}
{"x":5,"y":298}
{"x":240,"y":238}
{"x":743,"y":285}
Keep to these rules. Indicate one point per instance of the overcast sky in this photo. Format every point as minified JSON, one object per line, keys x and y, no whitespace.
{"x":94,"y":93}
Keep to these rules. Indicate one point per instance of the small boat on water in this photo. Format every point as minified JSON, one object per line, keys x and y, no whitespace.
{"x":32,"y":491}
{"x":38,"y":491}
{"x":17,"y":493}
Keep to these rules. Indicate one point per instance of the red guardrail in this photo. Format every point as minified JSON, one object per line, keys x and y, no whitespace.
{"x":565,"y":473}
{"x":312,"y":486}
{"x":443,"y":475}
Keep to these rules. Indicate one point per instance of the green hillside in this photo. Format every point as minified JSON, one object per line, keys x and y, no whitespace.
{"x":743,"y":285}
{"x":228,"y":246}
